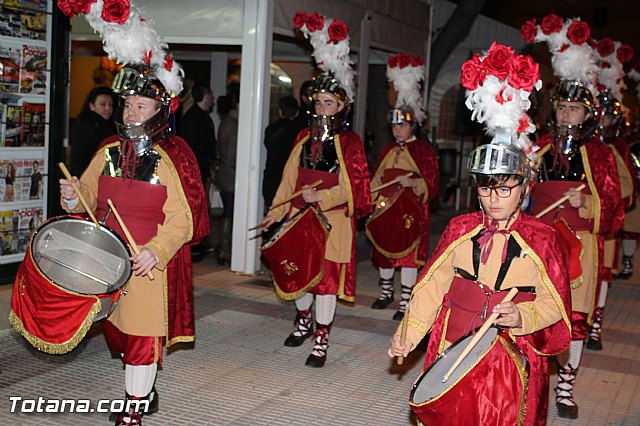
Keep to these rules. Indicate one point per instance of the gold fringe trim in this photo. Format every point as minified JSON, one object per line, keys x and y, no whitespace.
{"x":345,"y":174}
{"x":524,"y":378}
{"x":594,"y":194}
{"x":56,"y":348}
{"x":179,"y":189}
{"x":421,"y":329}
{"x":341,"y":294}
{"x":445,"y":327}
{"x":545,"y":279}
{"x":389,"y":254}
{"x":535,"y":317}
{"x":180,"y":339}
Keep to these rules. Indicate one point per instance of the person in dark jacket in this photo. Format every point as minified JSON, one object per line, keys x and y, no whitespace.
{"x":196,"y":127}
{"x":95,"y":123}
{"x":278,"y":139}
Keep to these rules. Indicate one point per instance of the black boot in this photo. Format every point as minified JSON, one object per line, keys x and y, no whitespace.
{"x":567,"y":407}
{"x":321,"y":342}
{"x":406,"y":295}
{"x":595,"y":333}
{"x":134,"y":410}
{"x":627,"y":268}
{"x":304,"y":329}
{"x":386,"y":294}
{"x":153,"y":405}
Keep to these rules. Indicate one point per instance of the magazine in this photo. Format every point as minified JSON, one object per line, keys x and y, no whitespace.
{"x":33,"y":76}
{"x":12,"y":122}
{"x":9,"y":69}
{"x":32,"y":128}
{"x":21,"y":180}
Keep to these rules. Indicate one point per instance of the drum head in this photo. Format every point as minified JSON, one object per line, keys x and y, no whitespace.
{"x":430,"y":385}
{"x":80,"y":257}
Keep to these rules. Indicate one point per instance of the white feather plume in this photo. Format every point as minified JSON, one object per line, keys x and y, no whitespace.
{"x":611,"y":77}
{"x":130,"y":42}
{"x":332,"y":57}
{"x":571,"y":61}
{"x":406,"y":81}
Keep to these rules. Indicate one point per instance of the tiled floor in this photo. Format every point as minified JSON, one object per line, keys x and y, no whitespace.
{"x":239,"y":373}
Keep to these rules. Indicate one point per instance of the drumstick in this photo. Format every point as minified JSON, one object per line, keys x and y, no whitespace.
{"x":67,"y":175}
{"x":481,"y":332}
{"x":127,"y":234}
{"x":291,"y":197}
{"x":396,"y":180}
{"x":403,"y":333}
{"x":561,"y":200}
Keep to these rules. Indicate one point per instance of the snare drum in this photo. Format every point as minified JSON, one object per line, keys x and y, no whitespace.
{"x":72,"y":275}
{"x":295,"y":253}
{"x":488,"y":388}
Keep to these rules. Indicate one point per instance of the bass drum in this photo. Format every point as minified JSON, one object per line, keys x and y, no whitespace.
{"x":488,"y":388}
{"x":72,"y":275}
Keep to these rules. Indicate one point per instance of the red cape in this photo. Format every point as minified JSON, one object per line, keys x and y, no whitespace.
{"x":423,"y":155}
{"x":622,"y":148}
{"x":602,"y":178}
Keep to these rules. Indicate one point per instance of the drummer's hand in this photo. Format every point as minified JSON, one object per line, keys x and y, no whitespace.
{"x":144,"y":262}
{"x":407,"y":182}
{"x":66,"y":190}
{"x":509,"y":315}
{"x":267,"y":222}
{"x":397,"y":349}
{"x":310,"y":195}
{"x":577,"y":199}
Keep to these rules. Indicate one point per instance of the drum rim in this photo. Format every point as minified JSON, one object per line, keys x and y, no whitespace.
{"x":75,"y":218}
{"x":424,"y":374}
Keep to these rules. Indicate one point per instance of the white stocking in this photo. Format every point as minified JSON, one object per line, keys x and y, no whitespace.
{"x":139,"y":379}
{"x":325,"y":308}
{"x":629,"y":247}
{"x":304,"y":302}
{"x":387,"y":273}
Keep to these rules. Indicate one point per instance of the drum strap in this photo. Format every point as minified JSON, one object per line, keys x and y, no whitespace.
{"x":513,"y":251}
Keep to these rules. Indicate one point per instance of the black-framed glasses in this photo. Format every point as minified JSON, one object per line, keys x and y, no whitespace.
{"x":502,"y":191}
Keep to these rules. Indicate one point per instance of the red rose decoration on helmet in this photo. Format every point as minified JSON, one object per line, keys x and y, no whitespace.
{"x":528,"y":31}
{"x":498,"y":59}
{"x":524,"y":73}
{"x":403,"y":60}
{"x":416,"y":61}
{"x":72,"y":7}
{"x":168,"y":62}
{"x":338,"y":31}
{"x":605,"y":47}
{"x":578,"y":32}
{"x":393,"y":61}
{"x":624,"y":53}
{"x":523,"y":123}
{"x":116,"y":11}
{"x":315,"y":22}
{"x":174,"y":104}
{"x":551,"y":24}
{"x":299,"y":19}
{"x":472,"y":73}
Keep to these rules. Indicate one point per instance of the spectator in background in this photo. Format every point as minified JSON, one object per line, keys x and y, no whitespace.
{"x":226,"y":174}
{"x":278,"y":139}
{"x":197,"y":129}
{"x":95,"y":123}
{"x":306,"y":106}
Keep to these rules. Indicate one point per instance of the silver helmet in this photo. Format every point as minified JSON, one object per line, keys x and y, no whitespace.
{"x":569,"y":138}
{"x":140,"y":81}
{"x":499,"y":157}
{"x":400,"y":115}
{"x":609,"y":109}
{"x":324,"y":127}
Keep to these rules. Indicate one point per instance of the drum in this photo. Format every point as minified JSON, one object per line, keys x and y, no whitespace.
{"x":394,"y":227}
{"x":71,"y":276}
{"x":489,"y":387}
{"x":295,"y":252}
